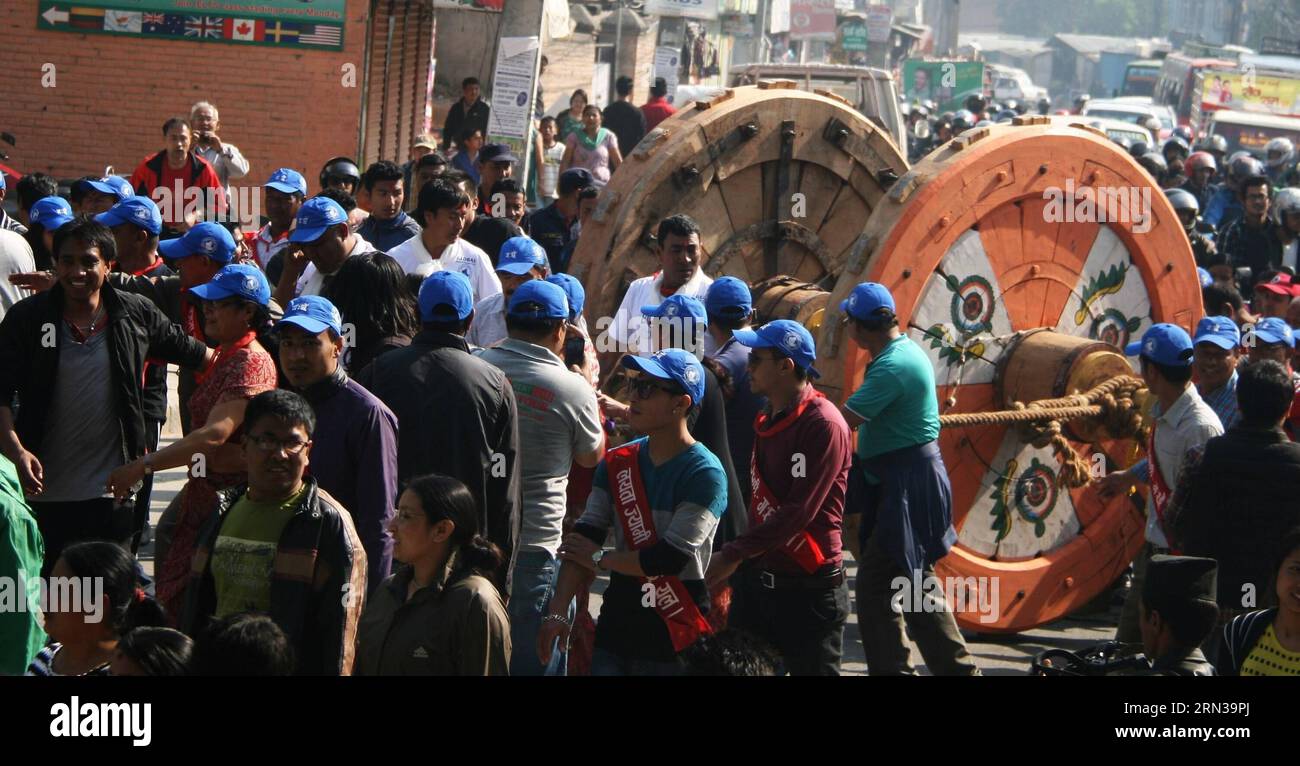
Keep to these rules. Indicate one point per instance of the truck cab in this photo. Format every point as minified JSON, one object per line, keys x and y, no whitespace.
{"x":871,"y":91}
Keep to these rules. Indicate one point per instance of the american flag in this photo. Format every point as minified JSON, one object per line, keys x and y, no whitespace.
{"x":320,"y":34}
{"x":203,"y":26}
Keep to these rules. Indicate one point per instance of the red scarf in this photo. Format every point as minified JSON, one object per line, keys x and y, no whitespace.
{"x":672,"y":601}
{"x":763,"y":503}
{"x":224,"y":353}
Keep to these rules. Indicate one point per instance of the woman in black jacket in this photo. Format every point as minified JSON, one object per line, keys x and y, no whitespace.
{"x":1267,"y":642}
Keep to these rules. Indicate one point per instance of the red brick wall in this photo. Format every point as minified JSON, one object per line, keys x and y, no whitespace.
{"x":283,"y":108}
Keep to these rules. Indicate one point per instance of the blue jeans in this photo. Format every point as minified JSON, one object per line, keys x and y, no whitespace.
{"x":535,"y":576}
{"x":606,"y":663}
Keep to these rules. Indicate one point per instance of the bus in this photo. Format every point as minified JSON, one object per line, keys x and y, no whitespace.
{"x":1177,"y":78}
{"x":1140,"y":77}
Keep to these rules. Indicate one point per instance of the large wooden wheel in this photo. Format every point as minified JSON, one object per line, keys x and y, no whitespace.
{"x":780,"y":181}
{"x":976,"y":257}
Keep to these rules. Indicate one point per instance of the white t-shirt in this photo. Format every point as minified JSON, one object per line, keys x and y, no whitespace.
{"x":15,"y":258}
{"x":312,"y":281}
{"x":460,"y":256}
{"x":629,"y":328}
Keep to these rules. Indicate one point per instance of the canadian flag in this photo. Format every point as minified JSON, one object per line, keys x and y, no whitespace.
{"x":245,"y":29}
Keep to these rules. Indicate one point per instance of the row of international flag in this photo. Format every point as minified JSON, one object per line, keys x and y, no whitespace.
{"x":192,"y":27}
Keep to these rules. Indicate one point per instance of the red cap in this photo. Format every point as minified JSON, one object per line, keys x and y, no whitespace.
{"x":1281,"y":284}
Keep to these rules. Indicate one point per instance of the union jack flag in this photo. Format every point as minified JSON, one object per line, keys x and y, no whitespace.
{"x":155,"y":18}
{"x":203,"y":26}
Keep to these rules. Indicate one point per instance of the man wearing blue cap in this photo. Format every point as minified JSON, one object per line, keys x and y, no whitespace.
{"x":679,"y":251}
{"x":680,"y":322}
{"x":663,"y":495}
{"x":321,"y":231}
{"x":354,"y":446}
{"x":388,"y":225}
{"x":792,"y":590}
{"x":1214,"y":363}
{"x":522,"y":260}
{"x":1183,"y":422}
{"x":456,"y":413}
{"x":75,"y":355}
{"x":730,"y":308}
{"x":98,"y":195}
{"x":907,"y":499}
{"x":442,"y":210}
{"x":559,"y":426}
{"x":285,"y":191}
{"x":1272,"y":338}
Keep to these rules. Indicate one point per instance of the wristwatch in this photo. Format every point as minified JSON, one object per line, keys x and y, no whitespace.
{"x":597,"y":558}
{"x":148,"y":464}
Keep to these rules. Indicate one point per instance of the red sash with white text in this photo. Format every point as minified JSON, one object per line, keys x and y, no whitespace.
{"x":672,"y":601}
{"x":763,"y":502}
{"x":1160,"y":491}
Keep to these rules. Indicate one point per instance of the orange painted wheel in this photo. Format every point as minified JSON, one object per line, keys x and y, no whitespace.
{"x":976,"y":254}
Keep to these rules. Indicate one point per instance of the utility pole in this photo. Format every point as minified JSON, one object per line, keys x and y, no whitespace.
{"x":760,"y":32}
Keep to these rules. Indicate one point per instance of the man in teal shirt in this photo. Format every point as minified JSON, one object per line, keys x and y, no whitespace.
{"x":21,"y":552}
{"x":907,"y":505}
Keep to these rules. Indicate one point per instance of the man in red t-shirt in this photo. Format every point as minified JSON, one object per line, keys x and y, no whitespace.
{"x":657,"y":109}
{"x":185,"y":187}
{"x":791,"y":588}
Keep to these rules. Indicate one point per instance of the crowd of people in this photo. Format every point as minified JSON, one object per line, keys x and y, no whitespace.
{"x":405,"y":455}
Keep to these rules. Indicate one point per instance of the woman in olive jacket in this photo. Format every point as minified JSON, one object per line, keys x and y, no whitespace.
{"x":441,"y":614}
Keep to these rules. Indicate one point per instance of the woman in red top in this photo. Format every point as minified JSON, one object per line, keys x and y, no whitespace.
{"x":235,"y":307}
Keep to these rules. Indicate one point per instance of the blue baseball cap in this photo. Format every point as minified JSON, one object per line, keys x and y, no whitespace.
{"x":138,"y":211}
{"x":316,"y":216}
{"x":1220,"y":331}
{"x":1165,"y":344}
{"x":115,"y":186}
{"x":787,"y":336}
{"x":539,"y":299}
{"x":675,"y":306}
{"x":672,"y":364}
{"x":287,"y":180}
{"x":446,"y":296}
{"x":1206,"y":278}
{"x":241,"y":280}
{"x":1274,"y":330}
{"x":573,"y":290}
{"x":520,"y":255}
{"x":313,"y":314}
{"x":50,"y":212}
{"x":867,"y":299}
{"x":729,"y":297}
{"x":207,"y":239}
{"x":573,"y":180}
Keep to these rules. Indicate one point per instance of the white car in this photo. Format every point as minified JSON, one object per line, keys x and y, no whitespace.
{"x":1009,"y":83}
{"x":1120,"y":131}
{"x":1135,"y":110}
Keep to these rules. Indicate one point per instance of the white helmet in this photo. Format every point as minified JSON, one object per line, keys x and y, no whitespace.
{"x":1281,"y":146}
{"x":1285,"y":201}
